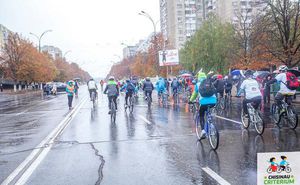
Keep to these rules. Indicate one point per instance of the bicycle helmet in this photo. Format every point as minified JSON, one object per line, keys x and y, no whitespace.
{"x":283,"y":68}
{"x":111,"y":78}
{"x":248,"y":73}
{"x":127,"y":81}
{"x":219,"y":77}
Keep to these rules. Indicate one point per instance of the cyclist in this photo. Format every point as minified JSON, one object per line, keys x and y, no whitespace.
{"x":206,"y":92}
{"x":148,"y":88}
{"x":112,"y":91}
{"x":130,"y":89}
{"x":252,"y":92}
{"x":101,"y":84}
{"x":220,"y":85}
{"x":70,"y":89}
{"x":160,"y":86}
{"x":175,"y":85}
{"x":76,"y":88}
{"x":228,"y":86}
{"x":92,"y":87}
{"x":284,"y":90}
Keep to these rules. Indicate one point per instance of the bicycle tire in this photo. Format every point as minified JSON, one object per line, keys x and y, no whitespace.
{"x":198,"y":126}
{"x":245,"y":121}
{"x":149,"y":101}
{"x":113,"y":113}
{"x":275,"y":115}
{"x":213,"y":136}
{"x":131,"y":105}
{"x":292,"y":115}
{"x":259,"y":128}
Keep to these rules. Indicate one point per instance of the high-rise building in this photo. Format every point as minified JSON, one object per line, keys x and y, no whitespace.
{"x":129,"y":51}
{"x":55,"y":52}
{"x":179,"y":20}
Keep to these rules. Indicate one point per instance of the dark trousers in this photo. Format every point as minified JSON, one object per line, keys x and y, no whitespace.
{"x":70,"y":100}
{"x":202,"y":110}
{"x":279,"y":97}
{"x":267,"y":96}
{"x":128,"y":94}
{"x":255,"y":100}
{"x":91,"y":90}
{"x":150,"y":94}
{"x":110,"y":99}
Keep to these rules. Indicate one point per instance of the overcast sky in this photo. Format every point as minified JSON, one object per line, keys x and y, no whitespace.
{"x":92,"y":29}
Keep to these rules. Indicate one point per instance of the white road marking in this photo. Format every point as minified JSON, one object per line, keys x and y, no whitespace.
{"x":145,"y":120}
{"x":215,"y":176}
{"x":37,"y":155}
{"x":231,"y":120}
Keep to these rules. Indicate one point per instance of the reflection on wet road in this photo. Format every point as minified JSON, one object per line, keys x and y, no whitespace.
{"x":156,"y":146}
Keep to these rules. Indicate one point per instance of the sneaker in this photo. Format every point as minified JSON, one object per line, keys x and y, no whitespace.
{"x":203,"y":134}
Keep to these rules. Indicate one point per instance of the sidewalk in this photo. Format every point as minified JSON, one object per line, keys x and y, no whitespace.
{"x":11,"y":92}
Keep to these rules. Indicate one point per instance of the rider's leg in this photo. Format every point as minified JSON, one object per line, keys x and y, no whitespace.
{"x":257,"y":101}
{"x":278,"y":98}
{"x":289,"y":99}
{"x":245,"y":109}
{"x":109,"y":102}
{"x":126,"y":99}
{"x":115,"y":101}
{"x":202,"y":110}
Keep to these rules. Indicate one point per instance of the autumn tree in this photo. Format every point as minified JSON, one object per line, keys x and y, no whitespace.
{"x":283,"y":30}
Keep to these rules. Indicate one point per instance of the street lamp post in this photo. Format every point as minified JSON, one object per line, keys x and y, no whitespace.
{"x":143,"y":13}
{"x":66,"y":53}
{"x":40,"y":37}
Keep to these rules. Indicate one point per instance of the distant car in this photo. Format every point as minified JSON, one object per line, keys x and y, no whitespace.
{"x":60,"y":87}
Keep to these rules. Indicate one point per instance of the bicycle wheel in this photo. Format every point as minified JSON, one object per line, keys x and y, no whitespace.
{"x":222,"y":103}
{"x":258,"y":123}
{"x":93,"y":99}
{"x":245,"y":120}
{"x":113,"y":113}
{"x":275,"y":115}
{"x":131,"y":104}
{"x":149,"y":101}
{"x":213,"y":136}
{"x":198,"y":126}
{"x":292,"y":117}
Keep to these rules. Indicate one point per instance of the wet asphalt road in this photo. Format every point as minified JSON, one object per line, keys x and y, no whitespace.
{"x":156,"y":146}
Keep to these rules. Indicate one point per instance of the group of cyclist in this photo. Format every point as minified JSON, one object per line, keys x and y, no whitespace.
{"x":205,"y":88}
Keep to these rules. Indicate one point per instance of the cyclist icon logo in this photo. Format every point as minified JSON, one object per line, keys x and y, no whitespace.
{"x":279,"y":167}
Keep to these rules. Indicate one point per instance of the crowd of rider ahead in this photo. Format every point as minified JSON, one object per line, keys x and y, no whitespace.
{"x":206,"y":88}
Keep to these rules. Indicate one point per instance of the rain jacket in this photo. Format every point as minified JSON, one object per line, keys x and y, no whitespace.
{"x":202,"y":100}
{"x":148,"y":86}
{"x":126,"y":85}
{"x":70,"y":89}
{"x":161,"y":85}
{"x":111,"y":88}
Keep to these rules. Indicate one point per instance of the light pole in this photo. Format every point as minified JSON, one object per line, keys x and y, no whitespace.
{"x":143,"y":13}
{"x":40,"y":37}
{"x":69,"y":51}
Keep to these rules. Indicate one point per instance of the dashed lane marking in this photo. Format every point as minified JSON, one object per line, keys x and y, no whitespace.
{"x":231,"y":120}
{"x":145,"y":120}
{"x":215,"y":176}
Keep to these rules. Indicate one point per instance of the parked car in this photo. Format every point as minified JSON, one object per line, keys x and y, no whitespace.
{"x":60,"y":87}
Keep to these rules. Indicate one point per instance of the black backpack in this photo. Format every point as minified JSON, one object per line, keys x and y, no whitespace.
{"x":206,"y":88}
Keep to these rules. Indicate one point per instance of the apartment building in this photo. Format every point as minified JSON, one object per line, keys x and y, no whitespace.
{"x":55,"y":52}
{"x":179,"y":20}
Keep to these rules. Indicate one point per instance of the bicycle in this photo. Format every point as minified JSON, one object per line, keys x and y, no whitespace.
{"x":93,"y":97}
{"x":131,"y":103}
{"x":210,"y":128}
{"x":113,"y":112}
{"x":220,"y":103}
{"x":227,"y":100}
{"x":285,"y":112}
{"x":254,"y":117}
{"x":149,"y":100}
{"x":162,"y":98}
{"x":176,"y":97}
